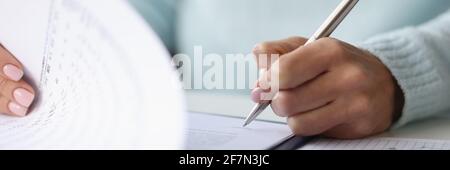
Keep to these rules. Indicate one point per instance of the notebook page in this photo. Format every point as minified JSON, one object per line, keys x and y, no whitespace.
{"x":208,"y":131}
{"x":382,"y":143}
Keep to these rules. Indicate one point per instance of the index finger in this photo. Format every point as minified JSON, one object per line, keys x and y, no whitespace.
{"x":304,"y":64}
{"x":265,"y":50}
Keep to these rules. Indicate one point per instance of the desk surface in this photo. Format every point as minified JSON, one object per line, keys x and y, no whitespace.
{"x":240,"y":105}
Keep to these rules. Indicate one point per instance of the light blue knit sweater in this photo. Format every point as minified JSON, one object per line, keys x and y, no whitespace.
{"x":419,"y":58}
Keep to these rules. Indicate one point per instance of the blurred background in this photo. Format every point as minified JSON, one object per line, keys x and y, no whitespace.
{"x":235,"y":26}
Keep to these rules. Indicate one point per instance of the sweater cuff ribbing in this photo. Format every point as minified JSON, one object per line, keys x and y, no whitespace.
{"x":404,"y":53}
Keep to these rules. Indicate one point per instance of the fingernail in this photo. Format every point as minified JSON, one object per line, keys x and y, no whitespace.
{"x":23,"y":97}
{"x":17,"y":109}
{"x":256,"y":95}
{"x":13,"y":72}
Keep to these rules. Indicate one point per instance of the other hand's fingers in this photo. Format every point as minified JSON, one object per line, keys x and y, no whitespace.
{"x":17,"y":97}
{"x":11,"y":108}
{"x":11,"y":68}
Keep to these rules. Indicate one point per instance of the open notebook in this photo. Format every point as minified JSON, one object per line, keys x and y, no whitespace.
{"x":104,"y":79}
{"x":207,"y":131}
{"x":382,"y":143}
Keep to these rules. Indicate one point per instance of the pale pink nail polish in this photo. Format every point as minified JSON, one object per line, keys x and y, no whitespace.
{"x":17,"y":109}
{"x":13,"y":72}
{"x":23,"y":97}
{"x":256,"y":95}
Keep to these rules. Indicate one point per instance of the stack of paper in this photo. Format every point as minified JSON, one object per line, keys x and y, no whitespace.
{"x":104,"y":79}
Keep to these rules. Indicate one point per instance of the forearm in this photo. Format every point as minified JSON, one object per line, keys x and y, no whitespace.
{"x":418,"y":58}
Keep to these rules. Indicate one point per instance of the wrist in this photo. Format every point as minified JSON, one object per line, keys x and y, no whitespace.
{"x":399,"y":102}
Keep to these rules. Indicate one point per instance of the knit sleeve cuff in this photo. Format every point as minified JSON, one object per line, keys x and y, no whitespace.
{"x":405,"y":54}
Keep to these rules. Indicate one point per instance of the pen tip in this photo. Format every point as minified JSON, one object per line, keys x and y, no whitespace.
{"x":245,"y":124}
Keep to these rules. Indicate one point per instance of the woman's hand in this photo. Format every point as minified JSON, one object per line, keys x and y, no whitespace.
{"x":16,"y":95}
{"x":332,"y":88}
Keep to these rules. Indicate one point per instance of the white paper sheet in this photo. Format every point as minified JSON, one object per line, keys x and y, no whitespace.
{"x":208,"y":131}
{"x":104,"y":79}
{"x":378,"y":143}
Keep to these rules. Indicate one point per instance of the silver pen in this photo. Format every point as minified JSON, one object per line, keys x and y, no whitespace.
{"x":325,"y":30}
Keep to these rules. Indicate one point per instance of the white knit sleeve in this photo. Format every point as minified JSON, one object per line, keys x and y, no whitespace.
{"x":419,"y":58}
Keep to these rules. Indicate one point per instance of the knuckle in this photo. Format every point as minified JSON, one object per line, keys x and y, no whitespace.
{"x":354,"y":76}
{"x":265,"y":48}
{"x":334,"y":49}
{"x":283,"y":70}
{"x":360,"y":106}
{"x":284,"y":104}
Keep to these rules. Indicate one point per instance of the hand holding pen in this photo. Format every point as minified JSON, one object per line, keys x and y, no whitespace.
{"x":330,"y":87}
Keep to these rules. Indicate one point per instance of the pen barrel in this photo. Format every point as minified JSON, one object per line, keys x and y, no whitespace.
{"x":333,"y":21}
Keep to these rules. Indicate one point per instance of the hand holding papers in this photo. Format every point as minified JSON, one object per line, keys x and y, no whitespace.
{"x":103,"y":84}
